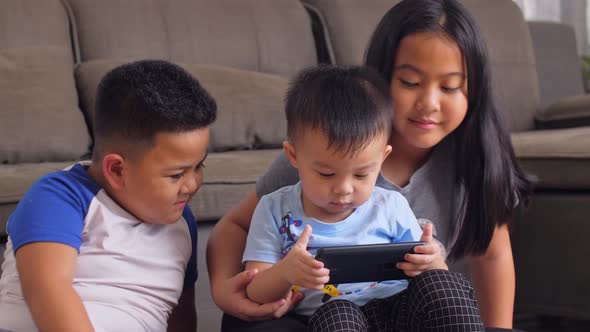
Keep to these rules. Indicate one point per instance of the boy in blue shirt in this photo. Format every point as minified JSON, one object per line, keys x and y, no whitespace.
{"x":110,"y":244}
{"x":339,"y":121}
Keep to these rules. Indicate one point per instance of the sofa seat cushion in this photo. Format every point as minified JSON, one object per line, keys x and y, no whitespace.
{"x":17,"y":179}
{"x":247,"y":102}
{"x":227,"y":177}
{"x":559,"y":158}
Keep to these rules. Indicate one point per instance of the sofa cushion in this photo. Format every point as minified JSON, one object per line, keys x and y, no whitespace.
{"x":247,"y":102}
{"x":227,"y":177}
{"x":559,"y":158}
{"x":16,"y":180}
{"x":272,"y":36}
{"x":39,"y":118}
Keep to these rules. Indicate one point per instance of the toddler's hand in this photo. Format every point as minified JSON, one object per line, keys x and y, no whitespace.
{"x":425,"y":258}
{"x":300,"y":268}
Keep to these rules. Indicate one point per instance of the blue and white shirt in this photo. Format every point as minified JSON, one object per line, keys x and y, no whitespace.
{"x":279,"y":220}
{"x":129,"y":275}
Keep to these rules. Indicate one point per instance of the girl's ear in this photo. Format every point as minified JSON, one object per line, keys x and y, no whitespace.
{"x":113,"y":170}
{"x":290,"y":152}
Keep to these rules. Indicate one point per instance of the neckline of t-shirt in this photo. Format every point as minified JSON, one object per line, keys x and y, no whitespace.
{"x":419,"y":172}
{"x":318,"y":225}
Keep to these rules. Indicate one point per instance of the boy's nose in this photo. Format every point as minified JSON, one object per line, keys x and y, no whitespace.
{"x":191,"y":184}
{"x":343,"y":188}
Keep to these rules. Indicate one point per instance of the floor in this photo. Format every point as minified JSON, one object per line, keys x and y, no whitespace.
{"x":209,"y":316}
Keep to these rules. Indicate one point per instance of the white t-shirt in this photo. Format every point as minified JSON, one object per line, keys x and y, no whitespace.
{"x":129,"y":274}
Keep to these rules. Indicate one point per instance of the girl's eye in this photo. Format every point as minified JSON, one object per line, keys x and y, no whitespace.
{"x":449,"y":89}
{"x":201,"y":165}
{"x":325,"y":174}
{"x":408,"y":83}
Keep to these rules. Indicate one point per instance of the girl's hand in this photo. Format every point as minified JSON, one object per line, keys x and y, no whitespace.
{"x":232,"y":299}
{"x":300,"y":268}
{"x":427,"y":257}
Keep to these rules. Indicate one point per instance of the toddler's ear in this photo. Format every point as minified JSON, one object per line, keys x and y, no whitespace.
{"x":290,"y":152}
{"x":388,"y":149}
{"x":113,"y":170}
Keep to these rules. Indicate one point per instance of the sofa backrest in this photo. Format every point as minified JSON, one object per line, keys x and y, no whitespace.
{"x":350,"y":24}
{"x":39,"y":115}
{"x":271,"y":36}
{"x":558,"y":65}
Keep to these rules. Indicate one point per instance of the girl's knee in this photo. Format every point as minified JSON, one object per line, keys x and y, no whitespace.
{"x":338,"y":315}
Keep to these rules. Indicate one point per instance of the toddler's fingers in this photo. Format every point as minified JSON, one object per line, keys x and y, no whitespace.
{"x":419,"y":259}
{"x":430,"y":248}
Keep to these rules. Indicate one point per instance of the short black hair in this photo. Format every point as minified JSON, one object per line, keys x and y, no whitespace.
{"x":350,"y":104}
{"x":138,"y":100}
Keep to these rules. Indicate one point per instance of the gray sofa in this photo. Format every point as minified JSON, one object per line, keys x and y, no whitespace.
{"x":53,"y":53}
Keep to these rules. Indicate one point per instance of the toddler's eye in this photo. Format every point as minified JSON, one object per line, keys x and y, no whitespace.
{"x":361,"y":176}
{"x":325,"y":174}
{"x":177,"y":176}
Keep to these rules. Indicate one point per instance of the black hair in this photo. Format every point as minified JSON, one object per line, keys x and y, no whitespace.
{"x":485,"y":163}
{"x":138,"y":100}
{"x":350,"y":104}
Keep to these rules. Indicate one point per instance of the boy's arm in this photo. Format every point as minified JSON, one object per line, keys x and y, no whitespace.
{"x":46,"y":272}
{"x":184,"y":315}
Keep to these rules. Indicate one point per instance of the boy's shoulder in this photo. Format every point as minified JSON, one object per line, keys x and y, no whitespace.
{"x":287,"y":192}
{"x":382,"y":194}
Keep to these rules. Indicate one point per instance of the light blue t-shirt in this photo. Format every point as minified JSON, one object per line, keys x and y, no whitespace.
{"x":279,"y":220}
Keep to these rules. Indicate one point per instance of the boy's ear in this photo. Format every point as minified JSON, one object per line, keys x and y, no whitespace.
{"x":113,"y":170}
{"x":290,"y":152}
{"x":388,"y":149}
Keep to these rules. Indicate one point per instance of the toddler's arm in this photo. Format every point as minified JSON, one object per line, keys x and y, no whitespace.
{"x":46,"y":272}
{"x":274,"y":281}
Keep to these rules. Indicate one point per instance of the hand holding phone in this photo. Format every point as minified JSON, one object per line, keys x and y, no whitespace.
{"x":363,"y":263}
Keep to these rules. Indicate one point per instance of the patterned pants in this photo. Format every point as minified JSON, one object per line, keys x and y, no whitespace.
{"x":436,"y":300}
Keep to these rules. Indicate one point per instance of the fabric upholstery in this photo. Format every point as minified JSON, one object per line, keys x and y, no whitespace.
{"x":272,"y":36}
{"x":559,"y":158}
{"x":558,"y":65}
{"x":37,"y":90}
{"x":247,"y":102}
{"x":548,"y":243}
{"x":567,"y":112}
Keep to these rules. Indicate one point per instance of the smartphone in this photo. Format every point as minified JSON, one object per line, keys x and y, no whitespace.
{"x":364,"y":263}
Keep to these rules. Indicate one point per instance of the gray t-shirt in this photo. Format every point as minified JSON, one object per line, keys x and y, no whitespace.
{"x":432,"y":191}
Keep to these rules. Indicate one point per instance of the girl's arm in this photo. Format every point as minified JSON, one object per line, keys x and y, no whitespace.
{"x":492,"y":275}
{"x":46,"y":272}
{"x":224,"y":261}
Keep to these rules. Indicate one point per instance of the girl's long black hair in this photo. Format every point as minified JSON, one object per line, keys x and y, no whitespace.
{"x":485,"y":163}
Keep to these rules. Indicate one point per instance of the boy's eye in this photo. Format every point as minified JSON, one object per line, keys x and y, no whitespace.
{"x":361,"y":176}
{"x":325,"y":174}
{"x":176,"y":176}
{"x":408,"y":83}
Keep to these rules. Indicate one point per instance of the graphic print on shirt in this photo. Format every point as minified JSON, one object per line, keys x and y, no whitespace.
{"x":289,"y":239}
